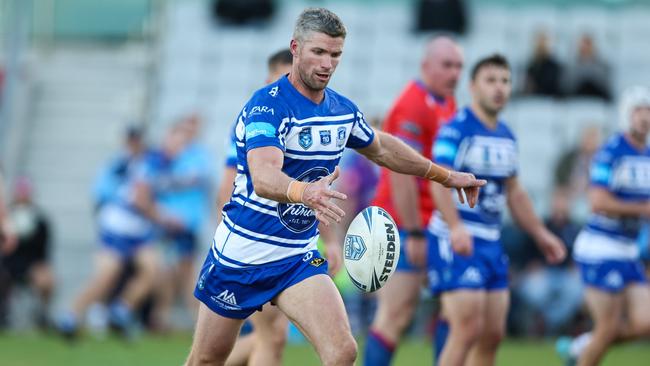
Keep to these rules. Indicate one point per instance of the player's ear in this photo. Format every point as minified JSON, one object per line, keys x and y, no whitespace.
{"x":293,"y":46}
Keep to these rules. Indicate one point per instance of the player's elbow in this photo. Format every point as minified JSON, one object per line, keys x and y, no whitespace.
{"x":261,"y":186}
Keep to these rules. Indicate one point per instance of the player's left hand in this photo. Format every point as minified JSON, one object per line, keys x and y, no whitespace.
{"x":465,"y":183}
{"x":317,"y":196}
{"x":551,"y":246}
{"x":333,"y":255}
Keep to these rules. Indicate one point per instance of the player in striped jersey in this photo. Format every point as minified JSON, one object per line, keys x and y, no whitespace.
{"x":606,"y":250}
{"x":290,"y":137}
{"x":416,"y":116}
{"x":265,"y":344}
{"x":469,"y":265}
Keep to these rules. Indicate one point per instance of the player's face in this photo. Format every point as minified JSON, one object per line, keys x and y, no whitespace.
{"x":316,"y":59}
{"x":491,"y":88}
{"x":277,"y":72}
{"x":444,"y":71}
{"x":641,"y":120}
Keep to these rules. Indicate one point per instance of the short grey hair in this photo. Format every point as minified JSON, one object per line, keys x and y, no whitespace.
{"x":318,"y":20}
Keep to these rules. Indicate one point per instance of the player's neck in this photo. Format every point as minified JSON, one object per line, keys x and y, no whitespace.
{"x":636,"y":139}
{"x":488,"y":119}
{"x":315,"y":96}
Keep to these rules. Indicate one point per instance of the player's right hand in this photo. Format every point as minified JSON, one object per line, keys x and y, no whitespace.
{"x":416,"y":251}
{"x":461,"y":240}
{"x":467,"y":183}
{"x":317,"y":196}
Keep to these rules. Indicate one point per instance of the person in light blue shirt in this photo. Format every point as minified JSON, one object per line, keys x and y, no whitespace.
{"x":290,"y":137}
{"x":617,"y":293}
{"x":467,"y":263}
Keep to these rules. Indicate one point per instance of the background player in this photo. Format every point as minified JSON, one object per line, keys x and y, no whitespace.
{"x":265,"y":344}
{"x":469,"y":265}
{"x":617,"y":293}
{"x":415,"y":118}
{"x":264,"y":248}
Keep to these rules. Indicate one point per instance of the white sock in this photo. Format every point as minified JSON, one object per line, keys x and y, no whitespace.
{"x":579,"y":344}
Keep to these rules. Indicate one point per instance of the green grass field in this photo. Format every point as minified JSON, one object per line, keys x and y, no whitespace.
{"x":38,"y":350}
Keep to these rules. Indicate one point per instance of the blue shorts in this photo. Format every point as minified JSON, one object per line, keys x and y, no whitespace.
{"x":184,"y":243}
{"x":239,"y":292}
{"x":485,"y":269}
{"x":125,"y":247}
{"x":612,"y":276}
{"x":403,"y":264}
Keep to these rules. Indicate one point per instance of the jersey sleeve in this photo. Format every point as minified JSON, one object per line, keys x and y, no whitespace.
{"x":446,"y":145}
{"x":231,"y":151}
{"x":265,"y":123}
{"x":361,"y":134}
{"x":600,"y":172}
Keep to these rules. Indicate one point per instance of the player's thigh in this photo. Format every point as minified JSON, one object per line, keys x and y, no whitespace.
{"x":637,"y":300}
{"x":316,"y":307}
{"x":108,"y":265}
{"x":214,"y":337}
{"x":605,"y":308}
{"x":147,"y":259}
{"x":270,"y":319}
{"x":496,"y":312}
{"x":464,"y":308}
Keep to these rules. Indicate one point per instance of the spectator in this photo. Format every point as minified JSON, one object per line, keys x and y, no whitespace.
{"x":553,"y":291}
{"x":589,"y":75}
{"x":543,"y":70}
{"x":7,"y":245}
{"x":572,"y":170}
{"x":28,"y":262}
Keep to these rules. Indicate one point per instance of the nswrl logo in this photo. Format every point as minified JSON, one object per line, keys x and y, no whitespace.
{"x":354,"y":247}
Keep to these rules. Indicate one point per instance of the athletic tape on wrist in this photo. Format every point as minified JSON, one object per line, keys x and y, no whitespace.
{"x":436,"y":173}
{"x":295,"y":190}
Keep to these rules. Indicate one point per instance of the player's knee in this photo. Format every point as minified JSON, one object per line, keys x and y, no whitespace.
{"x":470,"y":328}
{"x":344,"y":354}
{"x":642,"y":327}
{"x":492,"y":337}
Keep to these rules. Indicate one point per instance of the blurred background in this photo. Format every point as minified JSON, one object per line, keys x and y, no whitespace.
{"x":79,"y":76}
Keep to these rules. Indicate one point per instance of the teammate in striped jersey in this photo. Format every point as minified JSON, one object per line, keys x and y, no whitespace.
{"x":290,"y":137}
{"x":416,"y":116}
{"x":606,"y":250}
{"x":468,"y":264}
{"x":265,"y":344}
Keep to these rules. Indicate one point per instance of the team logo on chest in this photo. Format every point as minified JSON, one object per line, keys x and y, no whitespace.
{"x":304,"y":138}
{"x":325,"y":137}
{"x":340,"y":136}
{"x":297,"y":217}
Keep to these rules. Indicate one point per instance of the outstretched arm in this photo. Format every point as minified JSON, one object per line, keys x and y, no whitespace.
{"x":522,"y":212}
{"x":390,"y":152}
{"x":265,"y":164}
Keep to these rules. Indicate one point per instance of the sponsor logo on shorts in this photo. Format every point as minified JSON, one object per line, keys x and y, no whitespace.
{"x":614,"y":279}
{"x":471,"y":275}
{"x":354,"y":247}
{"x":316,"y":262}
{"x":226,"y":300}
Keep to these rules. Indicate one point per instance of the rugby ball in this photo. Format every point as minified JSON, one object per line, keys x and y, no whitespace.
{"x":371,"y":249}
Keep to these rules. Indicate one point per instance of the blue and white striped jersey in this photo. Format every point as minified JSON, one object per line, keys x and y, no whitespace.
{"x":624,"y":171}
{"x":466,"y":144}
{"x":312,"y":136}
